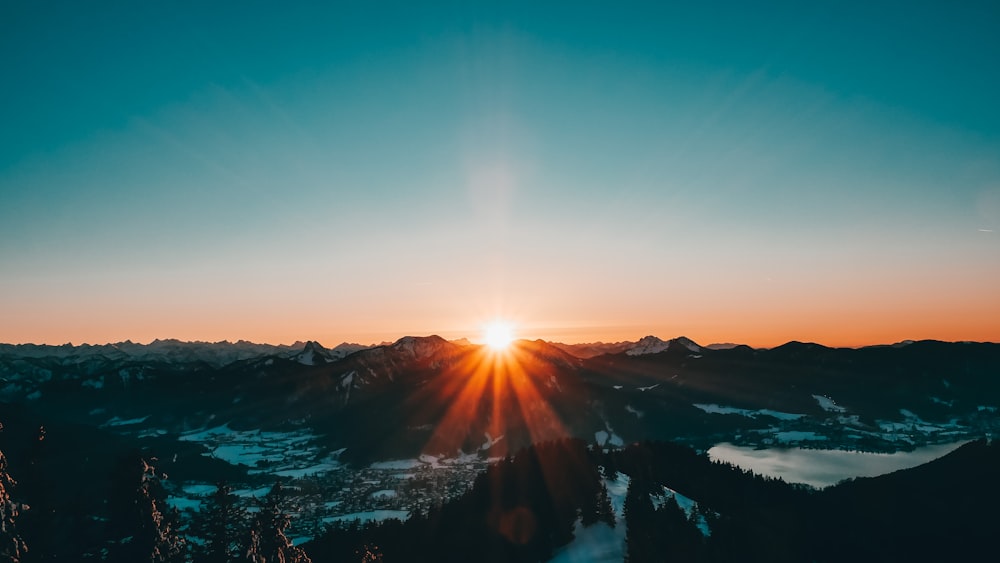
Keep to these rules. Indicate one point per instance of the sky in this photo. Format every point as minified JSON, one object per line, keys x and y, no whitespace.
{"x":359,"y":171}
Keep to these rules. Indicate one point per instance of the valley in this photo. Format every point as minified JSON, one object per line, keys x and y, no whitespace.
{"x":397,"y":430}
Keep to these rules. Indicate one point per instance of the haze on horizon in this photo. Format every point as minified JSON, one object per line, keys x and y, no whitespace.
{"x":360,"y":172}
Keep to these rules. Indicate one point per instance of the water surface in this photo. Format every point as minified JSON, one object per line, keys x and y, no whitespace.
{"x":822,"y":468}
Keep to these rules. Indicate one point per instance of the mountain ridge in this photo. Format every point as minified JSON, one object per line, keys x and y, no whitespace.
{"x":229,"y":351}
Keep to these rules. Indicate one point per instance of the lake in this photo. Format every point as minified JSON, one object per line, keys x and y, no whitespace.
{"x":822,"y":468}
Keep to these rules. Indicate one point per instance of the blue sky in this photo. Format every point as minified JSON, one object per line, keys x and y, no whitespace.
{"x":593,"y":170}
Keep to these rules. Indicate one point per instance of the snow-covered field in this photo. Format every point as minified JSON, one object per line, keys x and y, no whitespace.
{"x":369,"y":516}
{"x":600,"y":543}
{"x":828,"y":404}
{"x":282,"y":454}
{"x":718,"y":409}
{"x":324,"y":490}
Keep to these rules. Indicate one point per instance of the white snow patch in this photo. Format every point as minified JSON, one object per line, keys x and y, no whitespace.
{"x":462,"y":458}
{"x":398,"y":464}
{"x":198,"y":489}
{"x":648,"y":345}
{"x":553,"y":382}
{"x":306,"y":358}
{"x":490,"y":441}
{"x":601,"y":437}
{"x":429,"y":459}
{"x":298,"y":473}
{"x":913,"y":423}
{"x":383,"y":494}
{"x":368,"y":516}
{"x":617,"y":488}
{"x":347,"y":379}
{"x":604,"y":438}
{"x":685,"y":503}
{"x":277,"y":453}
{"x":598,"y":543}
{"x":347,"y":382}
{"x":650,"y":388}
{"x":252,"y":493}
{"x":717,"y":409}
{"x":244,"y":454}
{"x":852,"y":420}
{"x":637,"y":413}
{"x":828,"y":404}
{"x":789,"y":436}
{"x":124,"y":422}
{"x":184,"y":503}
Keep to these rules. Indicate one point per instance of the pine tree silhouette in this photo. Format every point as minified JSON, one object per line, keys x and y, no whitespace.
{"x":141,"y":526}
{"x":605,"y":512}
{"x":222,"y":526}
{"x":639,"y":533}
{"x":268,"y":542}
{"x":12,"y":547}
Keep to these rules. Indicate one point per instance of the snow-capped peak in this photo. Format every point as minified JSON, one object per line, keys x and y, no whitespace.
{"x":648,"y":345}
{"x":653,"y":345}
{"x":312,"y":353}
{"x":687,"y":343}
{"x":420,"y":346}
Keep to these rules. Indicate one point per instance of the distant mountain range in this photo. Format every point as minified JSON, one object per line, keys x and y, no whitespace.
{"x":216,"y":354}
{"x":224,"y":352}
{"x":879,"y":397}
{"x":221,"y":353}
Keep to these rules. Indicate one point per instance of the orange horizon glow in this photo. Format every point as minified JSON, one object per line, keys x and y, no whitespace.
{"x":763,"y":337}
{"x":831,"y":322}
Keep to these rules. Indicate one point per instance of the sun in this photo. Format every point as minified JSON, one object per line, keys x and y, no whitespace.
{"x":498,"y":335}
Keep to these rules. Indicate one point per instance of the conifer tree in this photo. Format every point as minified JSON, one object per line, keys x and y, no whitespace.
{"x":143,"y":529}
{"x":589,"y":510}
{"x":12,"y":547}
{"x":597,"y":508}
{"x":605,"y":512}
{"x":678,"y":539}
{"x":639,"y":533}
{"x":267,"y":541}
{"x":222,"y":527}
{"x":162,"y":521}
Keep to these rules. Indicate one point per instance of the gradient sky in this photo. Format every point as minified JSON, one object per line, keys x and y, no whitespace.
{"x":590,"y":170}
